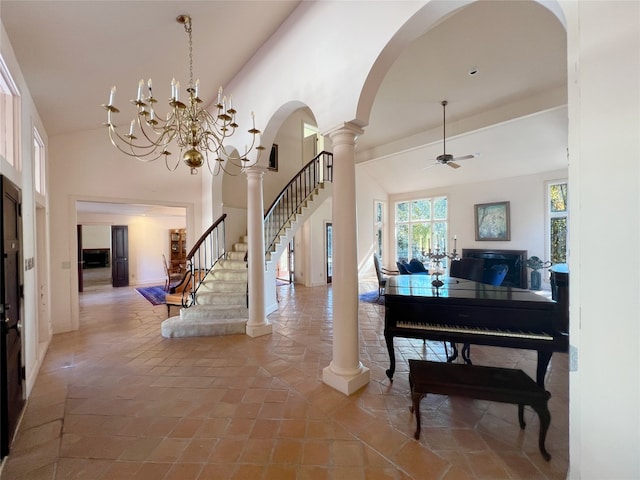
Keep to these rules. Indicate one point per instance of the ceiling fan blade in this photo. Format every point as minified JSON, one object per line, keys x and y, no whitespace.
{"x":452,"y":165}
{"x":464,"y":157}
{"x":430,"y":165}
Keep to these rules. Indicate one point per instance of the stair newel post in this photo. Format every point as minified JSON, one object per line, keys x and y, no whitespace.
{"x":257,"y":325}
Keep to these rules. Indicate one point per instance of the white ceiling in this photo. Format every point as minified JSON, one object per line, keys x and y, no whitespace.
{"x":519,"y":51}
{"x":72,"y":52}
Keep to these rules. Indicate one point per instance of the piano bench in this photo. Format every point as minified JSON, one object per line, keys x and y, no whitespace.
{"x":482,"y":383}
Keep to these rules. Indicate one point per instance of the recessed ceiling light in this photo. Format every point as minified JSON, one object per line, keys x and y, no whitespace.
{"x":473,"y":71}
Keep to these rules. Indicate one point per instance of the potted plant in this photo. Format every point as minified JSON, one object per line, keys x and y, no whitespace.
{"x":536,"y":264}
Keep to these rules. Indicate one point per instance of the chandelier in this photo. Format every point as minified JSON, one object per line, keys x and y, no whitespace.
{"x":196,"y":131}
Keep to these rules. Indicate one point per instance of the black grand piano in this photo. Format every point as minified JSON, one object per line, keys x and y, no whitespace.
{"x":463,"y":311}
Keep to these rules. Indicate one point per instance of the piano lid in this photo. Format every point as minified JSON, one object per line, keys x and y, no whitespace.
{"x":458,"y":288}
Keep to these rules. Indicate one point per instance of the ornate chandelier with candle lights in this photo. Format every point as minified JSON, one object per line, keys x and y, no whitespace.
{"x":196,"y":131}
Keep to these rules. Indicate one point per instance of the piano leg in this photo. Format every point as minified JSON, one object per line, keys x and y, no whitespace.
{"x":392,"y":356}
{"x":544,"y":356}
{"x":454,"y":352}
{"x":466,"y":353}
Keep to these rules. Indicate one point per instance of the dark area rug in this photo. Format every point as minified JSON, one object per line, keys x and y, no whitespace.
{"x":155,"y":295}
{"x":371,"y":297}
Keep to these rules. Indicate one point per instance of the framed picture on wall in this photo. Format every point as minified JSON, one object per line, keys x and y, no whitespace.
{"x":273,"y":158}
{"x":492,"y":221}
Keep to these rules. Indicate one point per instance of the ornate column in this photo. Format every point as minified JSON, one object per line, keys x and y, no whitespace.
{"x":257,"y":324}
{"x":345,"y":373}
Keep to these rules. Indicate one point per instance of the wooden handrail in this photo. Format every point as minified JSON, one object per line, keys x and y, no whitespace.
{"x":294,"y":194}
{"x":205,"y":253}
{"x":203,"y":237}
{"x":280,"y":195}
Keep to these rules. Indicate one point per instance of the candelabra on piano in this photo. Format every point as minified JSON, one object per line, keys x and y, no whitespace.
{"x":435,"y":259}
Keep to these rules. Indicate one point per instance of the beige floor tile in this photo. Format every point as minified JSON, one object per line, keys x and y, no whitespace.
{"x":115,"y":400}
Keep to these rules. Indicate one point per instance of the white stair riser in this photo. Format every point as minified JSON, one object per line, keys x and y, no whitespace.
{"x":236,"y":299}
{"x":228,"y":276}
{"x":212,"y":312}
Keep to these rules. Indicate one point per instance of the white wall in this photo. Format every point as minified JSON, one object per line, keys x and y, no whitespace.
{"x":367,"y":192}
{"x":96,"y":236}
{"x":604,"y":204}
{"x":310,"y":255}
{"x":290,"y":160}
{"x":36,"y":331}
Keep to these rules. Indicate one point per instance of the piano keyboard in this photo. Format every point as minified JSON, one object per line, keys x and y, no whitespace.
{"x":474,"y":331}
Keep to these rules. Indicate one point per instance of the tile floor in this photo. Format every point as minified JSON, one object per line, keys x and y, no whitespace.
{"x":116,"y":401}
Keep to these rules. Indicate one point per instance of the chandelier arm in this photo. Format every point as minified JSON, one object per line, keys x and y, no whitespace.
{"x":166,"y":136}
{"x":166,"y":163}
{"x":131,"y":151}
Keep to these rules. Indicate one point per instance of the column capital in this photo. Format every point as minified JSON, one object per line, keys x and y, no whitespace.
{"x":256,"y":171}
{"x":346,"y":133}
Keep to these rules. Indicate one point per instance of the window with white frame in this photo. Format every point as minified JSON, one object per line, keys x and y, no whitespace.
{"x":420,"y":225}
{"x":38,"y":162}
{"x":558,"y":221}
{"x":9,"y":117}
{"x":378,"y":226}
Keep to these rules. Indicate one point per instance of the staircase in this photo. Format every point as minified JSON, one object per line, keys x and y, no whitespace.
{"x":221,"y":300}
{"x":219,"y":304}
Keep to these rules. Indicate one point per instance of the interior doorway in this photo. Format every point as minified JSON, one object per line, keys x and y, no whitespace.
{"x":94,"y":256}
{"x":285,"y":267}
{"x":329,"y":250}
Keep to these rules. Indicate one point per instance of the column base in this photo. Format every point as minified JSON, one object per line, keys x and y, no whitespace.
{"x":346,"y":384}
{"x":259,"y":330}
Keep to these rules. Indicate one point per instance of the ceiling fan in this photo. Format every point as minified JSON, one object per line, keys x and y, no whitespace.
{"x":446,"y":158}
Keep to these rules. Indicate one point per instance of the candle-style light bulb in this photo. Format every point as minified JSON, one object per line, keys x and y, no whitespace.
{"x":140,"y":85}
{"x":173,"y":88}
{"x":112,"y":95}
{"x":133,"y":122}
{"x":149,"y":84}
{"x":177,"y":91}
{"x":197,"y":87}
{"x":219,"y":95}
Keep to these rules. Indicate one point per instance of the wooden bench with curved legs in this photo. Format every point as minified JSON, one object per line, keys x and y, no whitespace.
{"x":494,"y":384}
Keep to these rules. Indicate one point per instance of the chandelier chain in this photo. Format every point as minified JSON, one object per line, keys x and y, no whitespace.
{"x":187,"y":28}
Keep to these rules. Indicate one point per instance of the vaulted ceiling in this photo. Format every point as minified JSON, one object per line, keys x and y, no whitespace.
{"x":72,"y":52}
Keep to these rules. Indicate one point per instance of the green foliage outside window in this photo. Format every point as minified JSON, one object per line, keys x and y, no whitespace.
{"x":420,"y":210}
{"x":558,"y":240}
{"x":416,"y":228}
{"x":558,"y":225}
{"x":402,"y":212}
{"x":558,"y":197}
{"x":440,"y":208}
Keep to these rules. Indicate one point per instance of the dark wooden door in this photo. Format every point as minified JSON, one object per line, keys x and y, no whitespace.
{"x":120,"y":255}
{"x":11,"y":373}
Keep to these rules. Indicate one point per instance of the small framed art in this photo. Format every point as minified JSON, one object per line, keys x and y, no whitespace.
{"x":492,"y":221}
